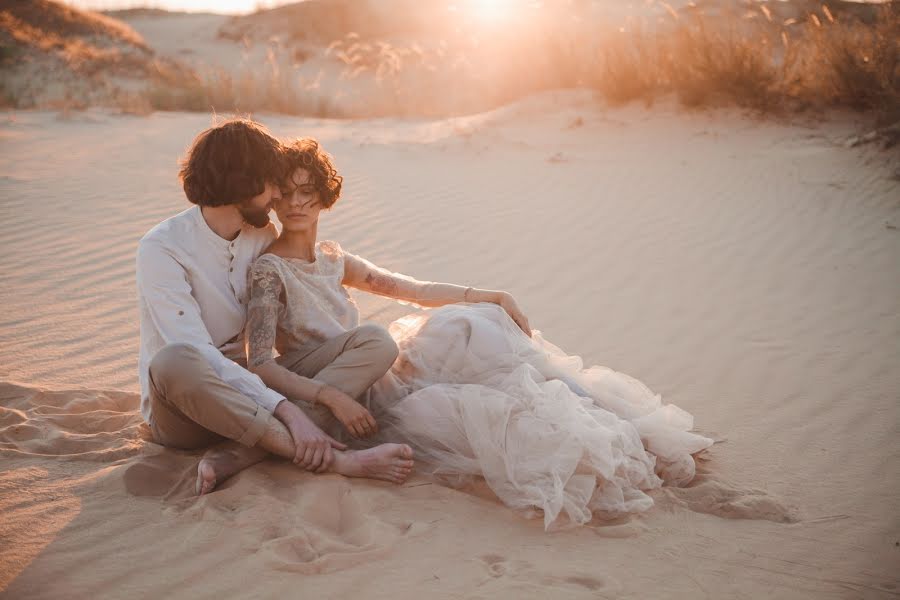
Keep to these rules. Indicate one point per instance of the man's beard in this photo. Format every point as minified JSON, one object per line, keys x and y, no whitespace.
{"x":256,"y":217}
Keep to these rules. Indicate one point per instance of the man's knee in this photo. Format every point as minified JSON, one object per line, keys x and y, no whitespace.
{"x":174,"y":360}
{"x":379,"y":341}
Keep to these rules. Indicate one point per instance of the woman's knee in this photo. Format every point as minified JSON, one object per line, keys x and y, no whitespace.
{"x":380,"y":342}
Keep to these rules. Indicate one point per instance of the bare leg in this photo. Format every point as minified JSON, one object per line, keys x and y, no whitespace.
{"x":388,"y":462}
{"x":228,"y":458}
{"x":224,"y":460}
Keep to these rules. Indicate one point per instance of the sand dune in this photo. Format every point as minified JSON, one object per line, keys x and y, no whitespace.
{"x":744,"y":270}
{"x":55,"y":56}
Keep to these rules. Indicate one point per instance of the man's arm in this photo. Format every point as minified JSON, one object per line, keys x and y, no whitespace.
{"x":163,"y":284}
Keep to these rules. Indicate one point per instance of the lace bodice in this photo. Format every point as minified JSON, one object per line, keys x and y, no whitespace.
{"x":295,"y":305}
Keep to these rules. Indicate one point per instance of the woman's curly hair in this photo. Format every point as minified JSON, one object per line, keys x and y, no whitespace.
{"x":231,"y":163}
{"x":306,"y":153}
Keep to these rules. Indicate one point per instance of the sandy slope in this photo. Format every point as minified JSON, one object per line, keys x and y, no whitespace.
{"x":189,"y":38}
{"x":746,"y":271}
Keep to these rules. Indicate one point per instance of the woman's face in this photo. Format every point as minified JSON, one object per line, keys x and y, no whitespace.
{"x":299,"y":207}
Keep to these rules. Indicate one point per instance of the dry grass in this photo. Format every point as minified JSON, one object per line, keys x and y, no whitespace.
{"x":60,"y":21}
{"x":84,"y":55}
{"x":818,"y":58}
{"x":270,"y":88}
{"x":852,"y":65}
{"x":769,"y":57}
{"x":726,"y":62}
{"x":627,"y":67}
{"x":753,"y":60}
{"x":820,"y":62}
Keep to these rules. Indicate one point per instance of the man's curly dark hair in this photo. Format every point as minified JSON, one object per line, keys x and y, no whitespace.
{"x":231,"y":163}
{"x":306,"y":153}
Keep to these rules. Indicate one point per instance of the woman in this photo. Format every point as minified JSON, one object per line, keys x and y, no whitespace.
{"x":474,"y":391}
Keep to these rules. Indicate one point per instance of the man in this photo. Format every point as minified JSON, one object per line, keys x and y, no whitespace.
{"x":192,"y":292}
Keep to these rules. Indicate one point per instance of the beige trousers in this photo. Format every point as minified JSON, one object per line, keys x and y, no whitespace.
{"x":191,"y":407}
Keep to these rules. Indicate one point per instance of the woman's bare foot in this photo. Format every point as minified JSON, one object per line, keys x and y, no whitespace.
{"x":388,"y":462}
{"x":222,"y":461}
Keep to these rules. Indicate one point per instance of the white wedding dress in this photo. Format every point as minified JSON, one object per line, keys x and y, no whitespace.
{"x":475,"y":396}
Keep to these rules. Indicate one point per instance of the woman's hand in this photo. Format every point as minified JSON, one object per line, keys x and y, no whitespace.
{"x":508,"y":303}
{"x":352,"y":415}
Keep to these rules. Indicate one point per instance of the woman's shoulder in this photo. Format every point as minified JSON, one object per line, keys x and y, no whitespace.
{"x":330,"y":246}
{"x":266,"y":260}
{"x":266,"y":264}
{"x":331,"y":249}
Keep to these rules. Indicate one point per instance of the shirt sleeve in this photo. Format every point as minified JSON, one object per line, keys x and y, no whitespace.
{"x":164,"y":286}
{"x":362,"y":274}
{"x":266,"y":303}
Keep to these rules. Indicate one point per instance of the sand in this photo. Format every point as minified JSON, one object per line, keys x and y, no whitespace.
{"x":747,"y":271}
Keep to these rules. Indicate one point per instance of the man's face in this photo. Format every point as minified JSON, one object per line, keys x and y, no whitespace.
{"x":256,"y":210}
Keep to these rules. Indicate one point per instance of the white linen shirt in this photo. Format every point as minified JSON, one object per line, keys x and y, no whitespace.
{"x":192,"y":288}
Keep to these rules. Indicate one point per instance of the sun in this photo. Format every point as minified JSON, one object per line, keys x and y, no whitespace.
{"x":492,"y":9}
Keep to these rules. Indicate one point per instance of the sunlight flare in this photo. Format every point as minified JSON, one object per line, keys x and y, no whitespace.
{"x":492,"y":10}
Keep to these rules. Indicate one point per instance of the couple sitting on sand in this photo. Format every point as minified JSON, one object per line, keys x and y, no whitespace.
{"x":467,"y":388}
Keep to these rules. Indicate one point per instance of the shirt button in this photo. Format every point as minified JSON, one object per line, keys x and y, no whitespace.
{"x":231,"y":269}
{"x":180,"y":313}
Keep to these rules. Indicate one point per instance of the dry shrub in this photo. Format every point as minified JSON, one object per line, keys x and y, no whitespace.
{"x":753,"y":61}
{"x":726,"y":61}
{"x":629,"y":67}
{"x":848,"y":63}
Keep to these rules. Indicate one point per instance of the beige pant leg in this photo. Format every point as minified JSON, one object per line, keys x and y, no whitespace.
{"x":191,"y":407}
{"x":351,"y":362}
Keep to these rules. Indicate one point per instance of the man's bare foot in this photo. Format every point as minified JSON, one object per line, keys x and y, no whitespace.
{"x":222,"y":461}
{"x":388,"y":462}
{"x":206,"y":477}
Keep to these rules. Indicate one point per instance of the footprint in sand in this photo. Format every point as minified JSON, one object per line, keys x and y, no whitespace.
{"x":590,"y":583}
{"x":499,"y":567}
{"x":323,"y":526}
{"x":165,"y":475}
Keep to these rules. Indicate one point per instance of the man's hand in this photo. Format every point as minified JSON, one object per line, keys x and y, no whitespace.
{"x":313,"y":447}
{"x":352,"y":415}
{"x":508,"y":303}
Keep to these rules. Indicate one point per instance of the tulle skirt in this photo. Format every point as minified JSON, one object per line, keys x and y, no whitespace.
{"x":475,"y":396}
